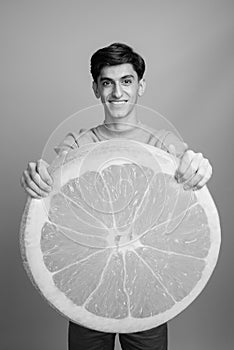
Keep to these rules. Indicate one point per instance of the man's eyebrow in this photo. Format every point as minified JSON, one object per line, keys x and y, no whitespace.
{"x":124,"y":77}
{"x":105,"y":78}
{"x":128,"y":76}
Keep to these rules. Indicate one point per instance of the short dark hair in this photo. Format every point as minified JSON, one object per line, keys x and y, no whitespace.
{"x":115,"y":54}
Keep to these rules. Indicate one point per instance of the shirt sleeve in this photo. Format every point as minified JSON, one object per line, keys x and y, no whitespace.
{"x":167,"y":138}
{"x":69,"y":142}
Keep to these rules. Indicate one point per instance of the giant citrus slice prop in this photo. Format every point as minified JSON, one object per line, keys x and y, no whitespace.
{"x":119,"y":245}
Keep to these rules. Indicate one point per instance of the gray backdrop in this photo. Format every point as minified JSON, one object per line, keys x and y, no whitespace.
{"x":45,"y":52}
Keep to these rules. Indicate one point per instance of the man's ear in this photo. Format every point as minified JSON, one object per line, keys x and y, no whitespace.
{"x":141,"y":87}
{"x":95,"y":89}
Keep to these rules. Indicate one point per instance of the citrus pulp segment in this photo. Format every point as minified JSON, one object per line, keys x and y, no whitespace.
{"x":119,"y":245}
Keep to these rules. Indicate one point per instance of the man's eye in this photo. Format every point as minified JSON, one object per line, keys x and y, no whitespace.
{"x":106,"y":83}
{"x":127,"y":81}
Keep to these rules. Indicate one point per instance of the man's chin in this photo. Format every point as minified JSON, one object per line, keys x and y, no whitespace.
{"x":118,"y":114}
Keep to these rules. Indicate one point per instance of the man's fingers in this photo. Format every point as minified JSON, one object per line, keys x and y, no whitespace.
{"x":40,"y":183}
{"x":201,"y":172}
{"x":184,"y":163}
{"x":28,"y":190}
{"x":42,"y":169}
{"x":32,"y":193}
{"x":189,"y":165}
{"x":37,"y":179}
{"x":30,"y":184}
{"x":193,"y":181}
{"x":192,"y":168}
{"x":202,"y":182}
{"x":207,"y":175}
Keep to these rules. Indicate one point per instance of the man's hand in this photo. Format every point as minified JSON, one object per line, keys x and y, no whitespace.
{"x":194,"y":170}
{"x":36,"y":180}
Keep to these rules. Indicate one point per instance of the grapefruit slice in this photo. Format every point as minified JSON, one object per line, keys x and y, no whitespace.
{"x":118,"y":245}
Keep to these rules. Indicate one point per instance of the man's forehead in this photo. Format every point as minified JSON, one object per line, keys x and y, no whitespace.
{"x":118,"y":71}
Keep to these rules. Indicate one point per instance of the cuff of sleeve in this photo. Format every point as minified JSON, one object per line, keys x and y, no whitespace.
{"x":69,"y":142}
{"x":168,"y":138}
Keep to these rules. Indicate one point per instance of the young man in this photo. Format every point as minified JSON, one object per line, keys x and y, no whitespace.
{"x":118,"y":80}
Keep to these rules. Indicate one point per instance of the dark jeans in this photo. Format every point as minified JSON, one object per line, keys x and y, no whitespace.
{"x":81,"y":338}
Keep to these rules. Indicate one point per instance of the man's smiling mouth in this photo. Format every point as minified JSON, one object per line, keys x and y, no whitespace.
{"x":118,"y":102}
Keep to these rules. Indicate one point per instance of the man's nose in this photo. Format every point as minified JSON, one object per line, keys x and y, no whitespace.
{"x":117,"y":91}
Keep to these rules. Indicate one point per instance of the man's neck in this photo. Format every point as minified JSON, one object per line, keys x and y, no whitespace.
{"x":121,"y":124}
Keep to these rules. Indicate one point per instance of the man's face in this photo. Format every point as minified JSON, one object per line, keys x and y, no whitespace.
{"x":119,"y":88}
